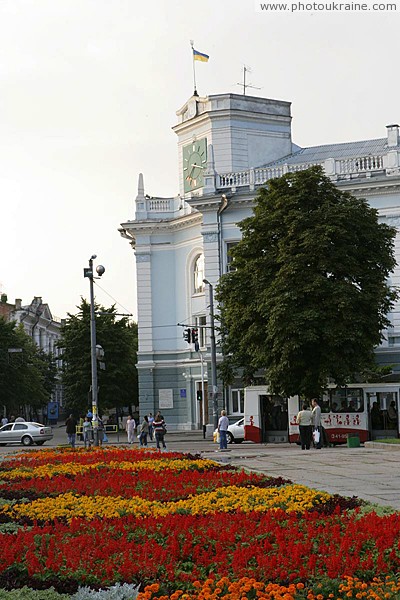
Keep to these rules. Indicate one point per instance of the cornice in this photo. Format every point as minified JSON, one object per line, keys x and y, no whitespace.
{"x":156,"y":226}
{"x":371,"y":186}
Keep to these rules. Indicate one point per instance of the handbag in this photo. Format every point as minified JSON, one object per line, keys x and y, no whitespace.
{"x":316,"y":436}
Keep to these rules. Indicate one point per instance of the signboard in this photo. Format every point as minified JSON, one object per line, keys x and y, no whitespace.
{"x":52,"y":412}
{"x":183,"y":392}
{"x":165,"y":398}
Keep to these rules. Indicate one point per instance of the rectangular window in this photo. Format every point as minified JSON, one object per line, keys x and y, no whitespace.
{"x":394,"y":341}
{"x":229,"y":259}
{"x":346,"y":400}
{"x":237,"y":402}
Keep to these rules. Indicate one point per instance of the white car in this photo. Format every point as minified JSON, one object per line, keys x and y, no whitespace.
{"x":26,"y":433}
{"x":235,"y":432}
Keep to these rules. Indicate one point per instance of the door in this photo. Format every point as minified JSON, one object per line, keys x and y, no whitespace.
{"x":274,"y":418}
{"x":5,"y":433}
{"x":383,"y":414}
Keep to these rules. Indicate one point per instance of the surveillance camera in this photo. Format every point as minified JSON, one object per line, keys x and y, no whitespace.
{"x":100,"y":270}
{"x":93,"y":256}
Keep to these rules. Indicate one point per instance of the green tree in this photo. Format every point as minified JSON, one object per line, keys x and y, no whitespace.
{"x":309,"y":297}
{"x":118,"y":382}
{"x":27,"y":377}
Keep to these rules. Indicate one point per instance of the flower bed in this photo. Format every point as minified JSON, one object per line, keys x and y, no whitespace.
{"x":185,"y":527}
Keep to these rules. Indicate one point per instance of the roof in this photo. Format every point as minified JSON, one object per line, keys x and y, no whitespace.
{"x":317,"y":154}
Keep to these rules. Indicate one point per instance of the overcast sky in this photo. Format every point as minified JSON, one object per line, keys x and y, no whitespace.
{"x":88,"y":94}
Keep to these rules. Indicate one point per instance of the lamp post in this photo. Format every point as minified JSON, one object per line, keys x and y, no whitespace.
{"x":203,"y":400}
{"x":89,"y":274}
{"x":213,"y":357}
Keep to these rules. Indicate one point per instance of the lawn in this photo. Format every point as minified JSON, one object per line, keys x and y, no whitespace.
{"x":180,"y":526}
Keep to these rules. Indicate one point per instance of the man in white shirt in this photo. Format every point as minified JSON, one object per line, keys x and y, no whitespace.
{"x":316,"y":421}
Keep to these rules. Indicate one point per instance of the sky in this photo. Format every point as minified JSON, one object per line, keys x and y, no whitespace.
{"x":88,"y":95}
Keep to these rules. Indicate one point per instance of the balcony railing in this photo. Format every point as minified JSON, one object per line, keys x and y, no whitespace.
{"x":346,"y":168}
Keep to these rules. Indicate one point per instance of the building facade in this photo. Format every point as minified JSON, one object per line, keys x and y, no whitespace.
{"x":228,"y":146}
{"x":40,"y":325}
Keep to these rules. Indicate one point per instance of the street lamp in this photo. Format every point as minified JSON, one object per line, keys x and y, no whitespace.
{"x":213,"y":357}
{"x":89,"y":274}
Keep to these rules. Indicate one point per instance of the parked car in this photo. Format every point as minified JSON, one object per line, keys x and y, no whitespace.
{"x":235,"y":432}
{"x":25,"y":433}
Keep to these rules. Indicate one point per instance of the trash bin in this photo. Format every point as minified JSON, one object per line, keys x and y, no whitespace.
{"x":353,"y":441}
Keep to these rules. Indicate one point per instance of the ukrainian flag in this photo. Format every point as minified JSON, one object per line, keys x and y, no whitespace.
{"x":200,"y":56}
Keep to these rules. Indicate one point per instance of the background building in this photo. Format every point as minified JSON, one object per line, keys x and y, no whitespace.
{"x":228,"y":145}
{"x":40,"y":325}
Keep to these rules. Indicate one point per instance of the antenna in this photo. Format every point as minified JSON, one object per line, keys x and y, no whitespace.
{"x":245,"y":85}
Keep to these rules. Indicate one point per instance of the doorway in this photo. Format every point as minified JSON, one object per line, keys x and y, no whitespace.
{"x":273,"y":419}
{"x":383,"y":415}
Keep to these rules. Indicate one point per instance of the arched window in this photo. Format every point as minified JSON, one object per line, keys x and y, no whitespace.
{"x":198,"y":273}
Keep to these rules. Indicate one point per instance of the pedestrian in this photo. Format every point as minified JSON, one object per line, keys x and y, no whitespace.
{"x":317,"y":424}
{"x":223,"y":425}
{"x":87,"y":432}
{"x":151,"y":429}
{"x":144,"y":431}
{"x":100,"y":431}
{"x":80,"y":425}
{"x":159,"y":431}
{"x":4,"y":420}
{"x":70,"y":428}
{"x":20,"y":420}
{"x":130,"y":429}
{"x":304,"y":421}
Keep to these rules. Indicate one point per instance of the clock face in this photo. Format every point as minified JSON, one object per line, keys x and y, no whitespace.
{"x":194,"y":164}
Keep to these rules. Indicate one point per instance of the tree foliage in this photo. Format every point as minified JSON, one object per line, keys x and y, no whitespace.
{"x":309,"y":297}
{"x":27,"y":378}
{"x":118,"y":384}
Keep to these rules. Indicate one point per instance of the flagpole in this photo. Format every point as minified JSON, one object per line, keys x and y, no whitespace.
{"x":194,"y":70}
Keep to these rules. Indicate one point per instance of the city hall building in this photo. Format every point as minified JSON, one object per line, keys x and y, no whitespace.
{"x":229,"y":145}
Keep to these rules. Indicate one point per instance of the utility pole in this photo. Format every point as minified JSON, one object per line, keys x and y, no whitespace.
{"x":213,"y":357}
{"x":89,"y":274}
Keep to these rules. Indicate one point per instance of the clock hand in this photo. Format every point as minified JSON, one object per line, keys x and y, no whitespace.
{"x":198,"y":166}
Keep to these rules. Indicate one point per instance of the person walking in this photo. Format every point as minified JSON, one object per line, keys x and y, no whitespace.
{"x":87,"y":432}
{"x":100,"y":430}
{"x":70,"y":428}
{"x":159,"y":431}
{"x":151,"y":430}
{"x":304,"y":421}
{"x":130,"y":427}
{"x":223,"y":424}
{"x":144,"y":431}
{"x":317,"y":424}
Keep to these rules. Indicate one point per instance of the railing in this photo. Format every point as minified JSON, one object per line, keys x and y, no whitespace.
{"x":258,"y":176}
{"x":359,"y":165}
{"x":334,"y":167}
{"x":158,"y":204}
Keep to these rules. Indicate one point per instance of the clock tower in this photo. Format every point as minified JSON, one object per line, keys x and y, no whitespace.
{"x":227,"y":133}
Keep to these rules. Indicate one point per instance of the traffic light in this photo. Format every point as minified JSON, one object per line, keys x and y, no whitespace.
{"x":195,"y":339}
{"x":187,"y":335}
{"x":199,"y":395}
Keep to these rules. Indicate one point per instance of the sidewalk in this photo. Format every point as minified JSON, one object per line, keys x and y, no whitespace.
{"x":371,"y":472}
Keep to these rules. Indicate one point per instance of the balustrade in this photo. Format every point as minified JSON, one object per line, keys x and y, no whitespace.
{"x":158,"y":205}
{"x":360,"y":164}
